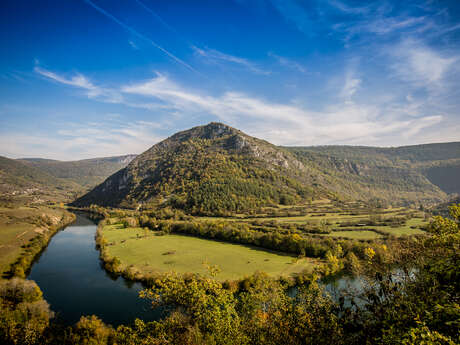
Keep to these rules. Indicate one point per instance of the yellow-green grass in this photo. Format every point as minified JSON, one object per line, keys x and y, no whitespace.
{"x":336,"y":218}
{"x":291,"y":219}
{"x":184,"y":254}
{"x":356,"y":234}
{"x":16,"y":229}
{"x":404,"y":230}
{"x":329,"y":216}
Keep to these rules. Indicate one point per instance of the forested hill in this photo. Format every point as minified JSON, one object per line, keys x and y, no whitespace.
{"x":413,"y":153}
{"x":215,"y":169}
{"x":24,"y":182}
{"x":207,"y":169}
{"x":439,"y":164}
{"x":87,"y":172}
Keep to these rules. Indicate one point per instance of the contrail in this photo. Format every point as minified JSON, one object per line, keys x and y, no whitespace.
{"x":152,"y":12}
{"x":134,"y":32}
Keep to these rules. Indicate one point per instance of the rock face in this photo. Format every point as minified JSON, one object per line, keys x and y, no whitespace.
{"x":215,"y":157}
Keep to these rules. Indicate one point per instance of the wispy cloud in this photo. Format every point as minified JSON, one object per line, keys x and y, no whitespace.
{"x":364,"y":23}
{"x":350,"y":86}
{"x":288,"y":124}
{"x":80,"y":81}
{"x":380,"y":20}
{"x":83,"y":140}
{"x":77,"y":80}
{"x":380,"y":25}
{"x":448,"y":29}
{"x":139,"y":35}
{"x":289,"y":63}
{"x":217,"y":56}
{"x":417,"y":63}
{"x":156,"y":16}
{"x":346,"y":121}
{"x":343,"y":7}
{"x":133,"y":45}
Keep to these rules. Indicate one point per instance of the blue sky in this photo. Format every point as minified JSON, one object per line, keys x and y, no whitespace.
{"x":91,"y":78}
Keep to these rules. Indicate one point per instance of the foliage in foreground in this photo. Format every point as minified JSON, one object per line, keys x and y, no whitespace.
{"x":24,"y":315}
{"x":418,"y":305}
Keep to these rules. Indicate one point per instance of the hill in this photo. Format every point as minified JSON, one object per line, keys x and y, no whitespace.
{"x":207,"y":170}
{"x":217,"y":169}
{"x":20,"y":181}
{"x":87,"y":172}
{"x":409,"y":172}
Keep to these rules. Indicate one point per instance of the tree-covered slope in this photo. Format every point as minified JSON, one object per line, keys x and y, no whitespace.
{"x":444,"y":174}
{"x":87,"y":173}
{"x":208,"y":170}
{"x":419,"y":172}
{"x":413,"y":153}
{"x":21,"y":180}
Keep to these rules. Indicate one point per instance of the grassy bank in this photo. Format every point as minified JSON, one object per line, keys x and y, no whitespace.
{"x":24,"y":232}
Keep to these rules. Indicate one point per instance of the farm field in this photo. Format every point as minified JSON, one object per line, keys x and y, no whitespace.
{"x":406,"y":229}
{"x":412,"y":227}
{"x":323,"y":212}
{"x":18,"y":226}
{"x":356,"y":234}
{"x":150,"y":253}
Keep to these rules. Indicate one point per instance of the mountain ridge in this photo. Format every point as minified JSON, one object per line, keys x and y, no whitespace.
{"x":218,"y":161}
{"x":437,"y":162}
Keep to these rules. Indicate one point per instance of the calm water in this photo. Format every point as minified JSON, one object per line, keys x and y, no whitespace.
{"x":74,"y":283}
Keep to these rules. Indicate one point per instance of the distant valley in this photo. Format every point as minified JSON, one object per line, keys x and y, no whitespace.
{"x":40,"y":180}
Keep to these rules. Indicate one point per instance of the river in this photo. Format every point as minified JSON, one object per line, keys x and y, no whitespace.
{"x":74,"y":283}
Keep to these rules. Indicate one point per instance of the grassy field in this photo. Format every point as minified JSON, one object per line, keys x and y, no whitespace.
{"x":406,"y":229}
{"x":17,"y":227}
{"x":149,"y":253}
{"x":331,"y":216}
{"x":336,"y":216}
{"x":356,"y":234}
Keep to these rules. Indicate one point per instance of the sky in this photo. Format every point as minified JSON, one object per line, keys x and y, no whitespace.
{"x":93,"y":78}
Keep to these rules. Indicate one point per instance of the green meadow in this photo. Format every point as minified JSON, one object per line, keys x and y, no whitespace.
{"x":150,"y":254}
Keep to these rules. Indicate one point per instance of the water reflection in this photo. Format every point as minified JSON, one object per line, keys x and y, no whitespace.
{"x":74,"y":283}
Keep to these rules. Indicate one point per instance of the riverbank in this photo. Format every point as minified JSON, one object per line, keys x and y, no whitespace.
{"x":25,"y":233}
{"x":75,"y":284}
